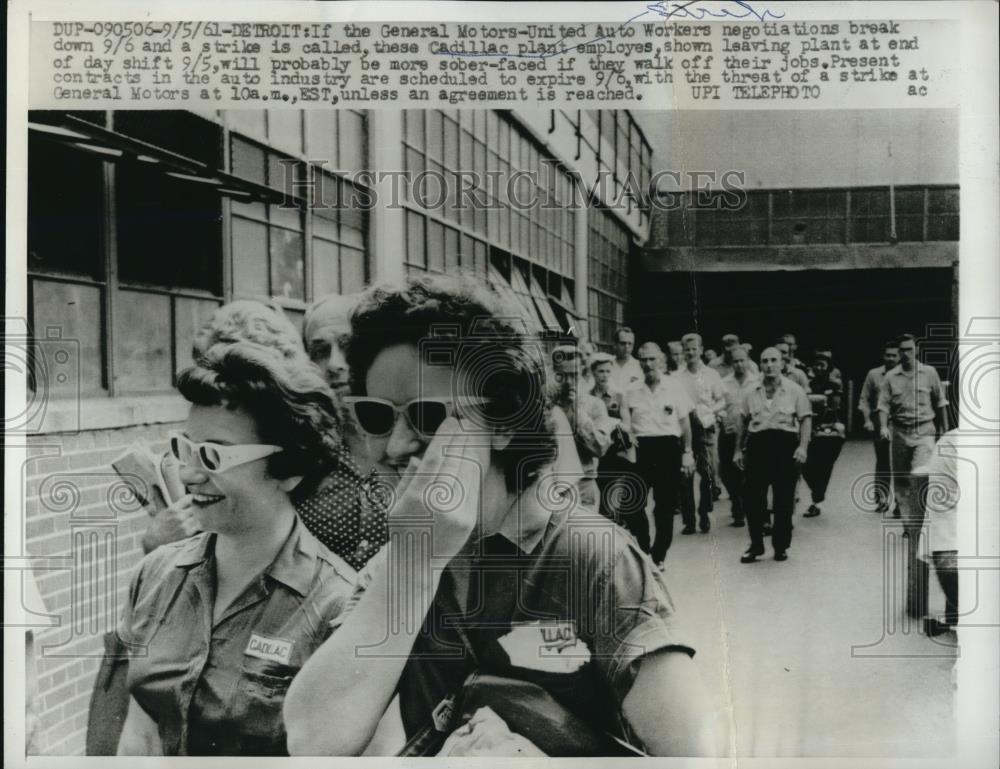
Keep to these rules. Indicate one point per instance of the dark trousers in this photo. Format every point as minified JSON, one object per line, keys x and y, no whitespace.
{"x":945,"y":566}
{"x":658,"y":461}
{"x":823,"y":453}
{"x":770,"y":464}
{"x":883,"y":470}
{"x":703,"y":446}
{"x":731,"y":475}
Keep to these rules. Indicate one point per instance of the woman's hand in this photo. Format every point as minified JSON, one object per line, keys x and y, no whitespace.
{"x":486,"y":734}
{"x":443,"y":491}
{"x":171,"y":524}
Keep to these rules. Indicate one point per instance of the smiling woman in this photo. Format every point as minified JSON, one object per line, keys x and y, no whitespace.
{"x":217,"y":625}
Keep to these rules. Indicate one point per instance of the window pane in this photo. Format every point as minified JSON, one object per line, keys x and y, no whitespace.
{"x":75,"y":314}
{"x":415,"y":239}
{"x":451,"y":250}
{"x":435,"y":134}
{"x":352,"y":270}
{"x":435,"y":246}
{"x":247,"y":121}
{"x":190,"y":315}
{"x":179,"y":131}
{"x":352,"y":141}
{"x":65,"y":209}
{"x":142,"y":342}
{"x":326,"y":268}
{"x":169,"y":230}
{"x":415,"y":127}
{"x":287,"y":264}
{"x":942,"y":200}
{"x":321,"y":136}
{"x":249,"y":257}
{"x":284,"y":128}
{"x":248,"y":160}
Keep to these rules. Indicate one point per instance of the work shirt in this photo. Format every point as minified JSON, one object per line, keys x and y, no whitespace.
{"x":724,"y":369}
{"x":624,"y":376}
{"x":219,"y":689}
{"x":704,"y":388}
{"x":591,"y":429}
{"x":539,"y":603}
{"x":910,"y":398}
{"x":786,"y":409}
{"x":657,"y":411}
{"x":798,"y":376}
{"x":732,"y":390}
{"x":614,"y":404}
{"x":868,"y":403}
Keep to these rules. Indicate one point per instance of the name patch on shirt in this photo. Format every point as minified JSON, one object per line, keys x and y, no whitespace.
{"x":270,"y":649}
{"x":552,"y":646}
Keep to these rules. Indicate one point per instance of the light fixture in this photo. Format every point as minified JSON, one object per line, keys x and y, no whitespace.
{"x":99,"y":150}
{"x":192,"y":178}
{"x":56,"y":131}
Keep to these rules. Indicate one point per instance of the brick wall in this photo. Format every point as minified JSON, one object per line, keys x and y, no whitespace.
{"x":84,"y":533}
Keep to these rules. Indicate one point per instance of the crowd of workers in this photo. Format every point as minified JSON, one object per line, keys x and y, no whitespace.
{"x":756,"y":430}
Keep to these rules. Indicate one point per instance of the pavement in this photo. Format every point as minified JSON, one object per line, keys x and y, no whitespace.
{"x":815,"y":656}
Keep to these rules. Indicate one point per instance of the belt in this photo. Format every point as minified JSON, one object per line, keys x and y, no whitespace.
{"x":911,"y":427}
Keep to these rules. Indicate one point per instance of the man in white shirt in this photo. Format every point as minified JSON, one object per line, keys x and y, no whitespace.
{"x":659,"y":411}
{"x":704,"y":388}
{"x":868,"y":406}
{"x":625,"y":370}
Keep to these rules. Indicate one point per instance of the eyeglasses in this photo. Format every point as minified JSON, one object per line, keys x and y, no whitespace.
{"x":376,"y":416}
{"x":215,"y":457}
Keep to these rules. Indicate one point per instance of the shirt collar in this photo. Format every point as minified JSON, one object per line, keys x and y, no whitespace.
{"x":526,"y":520}
{"x":759,"y":384}
{"x":294,"y":566}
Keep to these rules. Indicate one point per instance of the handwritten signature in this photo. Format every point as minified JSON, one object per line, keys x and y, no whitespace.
{"x":665,"y":10}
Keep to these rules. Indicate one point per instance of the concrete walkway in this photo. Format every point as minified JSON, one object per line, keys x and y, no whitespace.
{"x":815,"y":656}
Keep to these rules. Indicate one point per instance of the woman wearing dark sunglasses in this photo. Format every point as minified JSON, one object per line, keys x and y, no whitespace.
{"x":488,"y":568}
{"x":218,"y":624}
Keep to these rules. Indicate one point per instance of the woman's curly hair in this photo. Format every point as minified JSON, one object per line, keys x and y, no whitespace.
{"x":247,"y":320}
{"x":289,"y":401}
{"x":460,"y":323}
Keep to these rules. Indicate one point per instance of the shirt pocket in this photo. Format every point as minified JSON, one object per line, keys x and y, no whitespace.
{"x":260,"y":697}
{"x":923,"y":396}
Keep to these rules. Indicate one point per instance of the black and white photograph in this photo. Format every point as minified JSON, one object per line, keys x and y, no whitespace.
{"x":503,"y":432}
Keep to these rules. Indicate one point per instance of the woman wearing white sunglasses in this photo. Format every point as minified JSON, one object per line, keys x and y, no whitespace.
{"x":218,"y":624}
{"x":489,"y":569}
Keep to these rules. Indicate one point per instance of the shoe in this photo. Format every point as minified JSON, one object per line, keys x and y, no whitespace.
{"x":896,"y":512}
{"x":766,"y":529}
{"x":660,"y":565}
{"x":751,"y":555}
{"x":737,"y":523}
{"x":688,"y":530}
{"x":780,"y":555}
{"x":933,"y":627}
{"x":716,"y":493}
{"x":705,"y":524}
{"x":882,"y":508}
{"x":812,"y":512}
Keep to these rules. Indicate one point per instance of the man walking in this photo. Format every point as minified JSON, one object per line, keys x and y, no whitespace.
{"x":704,"y":388}
{"x":868,"y":406}
{"x":774,"y":427}
{"x":911,"y":416}
{"x":625,"y":371}
{"x":788,"y":368}
{"x":732,"y":388}
{"x":587,"y":416}
{"x":724,"y":364}
{"x":659,"y":412}
{"x":618,"y":462}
